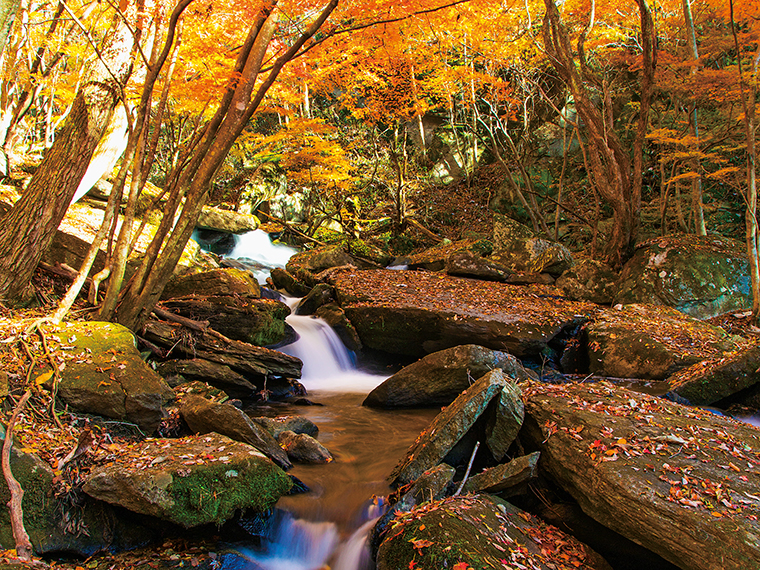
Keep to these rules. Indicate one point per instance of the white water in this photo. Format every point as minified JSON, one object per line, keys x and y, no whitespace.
{"x":328,"y":367}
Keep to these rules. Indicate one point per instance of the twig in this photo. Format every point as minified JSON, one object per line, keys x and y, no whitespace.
{"x":469,"y":467}
{"x":56,"y":377}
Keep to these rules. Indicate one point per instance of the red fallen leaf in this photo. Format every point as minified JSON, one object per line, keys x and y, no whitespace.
{"x":412,"y":564}
{"x":420,"y":544}
{"x":461,"y":566}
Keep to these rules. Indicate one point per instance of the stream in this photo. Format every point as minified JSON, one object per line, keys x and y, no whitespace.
{"x":328,"y":526}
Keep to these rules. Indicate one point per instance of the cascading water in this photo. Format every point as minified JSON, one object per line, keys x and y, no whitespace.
{"x":328,"y":527}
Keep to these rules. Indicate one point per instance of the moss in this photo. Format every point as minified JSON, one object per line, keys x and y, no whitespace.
{"x":216,"y":492}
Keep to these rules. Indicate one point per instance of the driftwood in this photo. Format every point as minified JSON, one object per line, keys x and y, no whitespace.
{"x":242,"y":357}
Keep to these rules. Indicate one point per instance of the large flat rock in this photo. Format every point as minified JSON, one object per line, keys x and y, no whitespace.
{"x":682,"y":482}
{"x":418,"y":312}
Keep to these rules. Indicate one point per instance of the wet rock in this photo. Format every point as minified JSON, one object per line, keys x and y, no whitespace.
{"x":480,"y":531}
{"x":432,"y":485}
{"x":448,"y":427}
{"x":296,"y":424}
{"x":260,"y":322}
{"x":212,"y":218}
{"x":302,"y":448}
{"x":702,"y":276}
{"x":588,"y":280}
{"x":504,"y":419}
{"x":437,"y":379}
{"x":286,"y":281}
{"x":334,"y":316}
{"x":225,"y":281}
{"x":204,"y":416}
{"x":651,"y":342}
{"x":321,"y":294}
{"x":504,"y":477}
{"x":200,"y":370}
{"x":710,"y":381}
{"x":416,"y":312}
{"x":105,"y":375}
{"x":679,"y":481}
{"x":190,"y":481}
{"x":517,"y":248}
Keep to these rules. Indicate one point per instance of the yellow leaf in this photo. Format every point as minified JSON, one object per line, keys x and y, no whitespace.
{"x":42,"y":378}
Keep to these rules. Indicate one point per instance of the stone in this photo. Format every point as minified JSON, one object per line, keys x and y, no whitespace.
{"x":319,"y":259}
{"x":302,"y":448}
{"x":189,"y":481}
{"x":334,"y":316}
{"x":283,"y":279}
{"x":224,"y":281}
{"x":710,"y":381}
{"x":436,"y":258}
{"x":212,"y":218}
{"x":200,"y":370}
{"x":702,"y":276}
{"x":105,"y":374}
{"x":204,"y":416}
{"x":296,"y":424}
{"x":651,"y":342}
{"x":417,"y":312}
{"x":516,"y":248}
{"x":448,"y":427}
{"x":505,"y":419}
{"x":321,"y":294}
{"x":479,"y":532}
{"x":260,"y":322}
{"x":504,"y":477}
{"x":588,"y":280}
{"x":432,"y":485}
{"x":656,"y":472}
{"x":438,"y":378}
{"x":469,"y":264}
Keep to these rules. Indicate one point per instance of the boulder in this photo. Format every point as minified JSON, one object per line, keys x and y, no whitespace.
{"x":204,"y":416}
{"x":319,"y":259}
{"x":516,"y":247}
{"x":224,"y":281}
{"x":417,"y":312}
{"x":296,"y":424}
{"x":469,"y":264}
{"x":70,"y":249}
{"x":260,"y":322}
{"x":202,"y":389}
{"x":321,"y":294}
{"x":504,"y":420}
{"x":302,"y":448}
{"x":283,"y":279}
{"x":504,"y":477}
{"x":448,"y":427}
{"x":189,"y":481}
{"x":437,"y":379}
{"x":432,"y":485}
{"x":436,"y":258}
{"x":212,"y":218}
{"x":702,"y":276}
{"x":255,"y":363}
{"x":479,"y":532}
{"x":105,"y":375}
{"x":199,"y":370}
{"x":682,"y":482}
{"x":651,"y":342}
{"x":588,"y":280}
{"x":710,"y":381}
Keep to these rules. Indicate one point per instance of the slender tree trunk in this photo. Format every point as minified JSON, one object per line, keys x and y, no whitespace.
{"x":697,"y":209}
{"x":28,"y":228}
{"x":8,"y":11}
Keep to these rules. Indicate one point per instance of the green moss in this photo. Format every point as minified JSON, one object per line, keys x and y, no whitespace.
{"x":215,"y":493}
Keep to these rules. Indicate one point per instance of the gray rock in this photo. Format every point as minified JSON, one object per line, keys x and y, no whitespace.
{"x":204,"y":416}
{"x":448,"y":427}
{"x":190,"y":481}
{"x":504,"y":477}
{"x":198,"y":369}
{"x":438,"y":378}
{"x":588,"y":280}
{"x":469,"y":264}
{"x":334,"y":316}
{"x":432,"y":485}
{"x":505,"y":419}
{"x":517,"y":248}
{"x":302,"y":448}
{"x":321,"y":294}
{"x":212,"y":218}
{"x":296,"y":424}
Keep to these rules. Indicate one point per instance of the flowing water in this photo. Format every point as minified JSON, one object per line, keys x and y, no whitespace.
{"x":328,"y":526}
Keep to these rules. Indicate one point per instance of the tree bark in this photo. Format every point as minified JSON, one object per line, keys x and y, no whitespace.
{"x":28,"y":228}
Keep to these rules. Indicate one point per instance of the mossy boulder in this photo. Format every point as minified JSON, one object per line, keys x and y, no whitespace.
{"x":105,"y":375}
{"x":651,"y":342}
{"x":702,"y":276}
{"x":212,"y":218}
{"x":320,"y":258}
{"x":321,"y":294}
{"x":286,"y":281}
{"x":479,"y":532}
{"x":223,"y":281}
{"x":190,"y":481}
{"x":517,"y":248}
{"x":260,"y":322}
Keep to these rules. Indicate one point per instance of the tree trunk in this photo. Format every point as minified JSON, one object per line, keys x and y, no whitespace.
{"x":28,"y":228}
{"x":8,"y":11}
